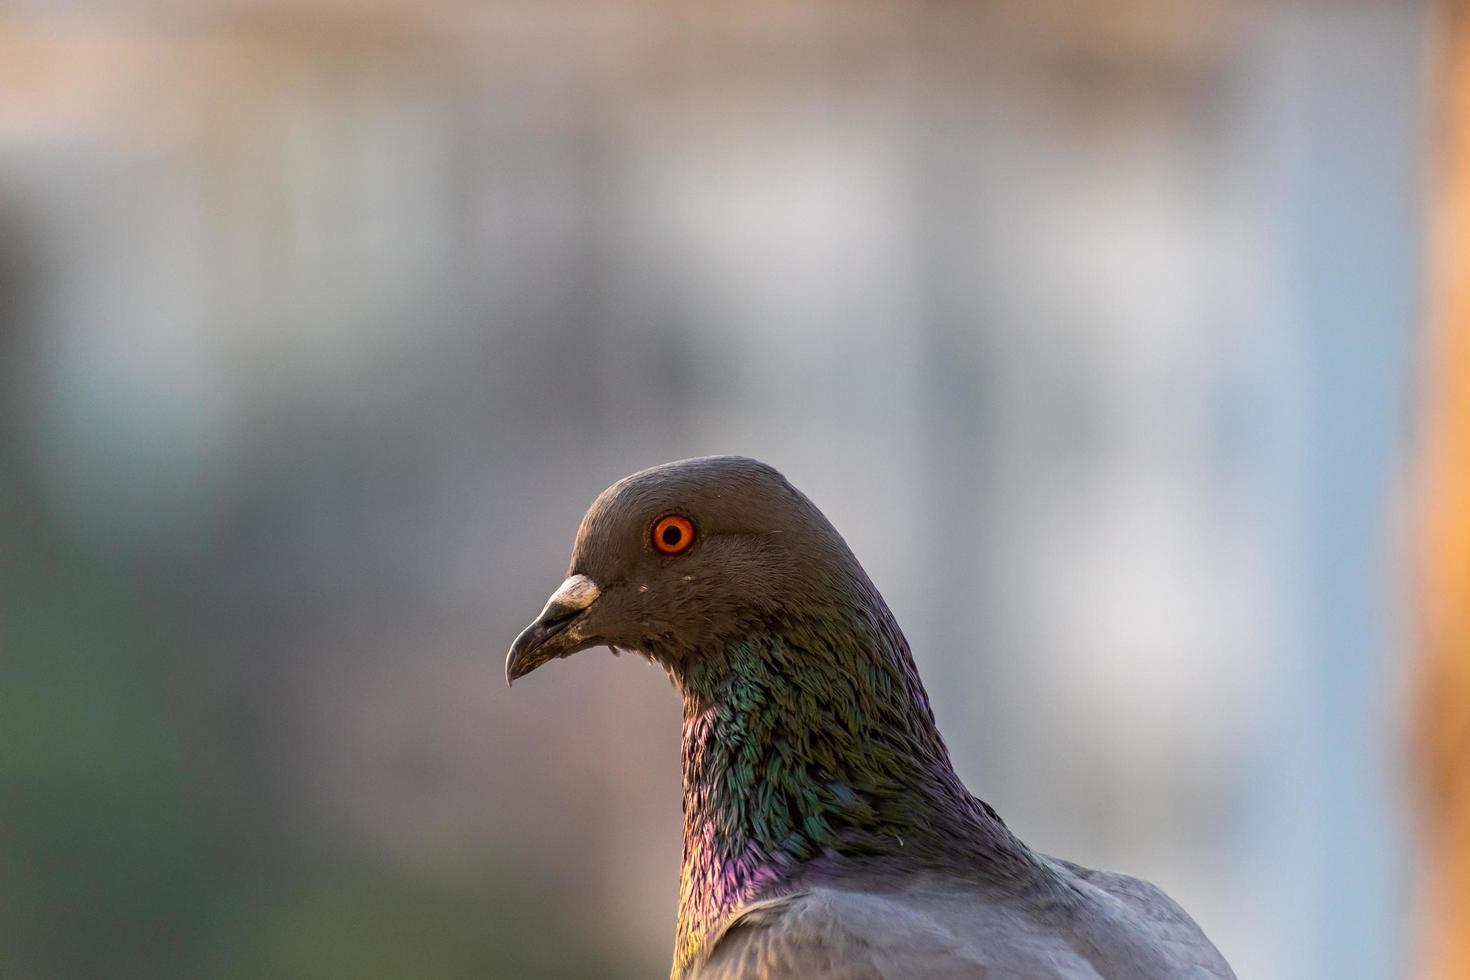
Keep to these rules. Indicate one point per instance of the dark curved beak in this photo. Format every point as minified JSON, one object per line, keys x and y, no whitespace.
{"x":557,"y":632}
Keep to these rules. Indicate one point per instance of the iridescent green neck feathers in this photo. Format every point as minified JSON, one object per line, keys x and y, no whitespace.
{"x":810,"y":749}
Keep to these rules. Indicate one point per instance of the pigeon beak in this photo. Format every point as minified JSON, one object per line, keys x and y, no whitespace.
{"x":557,"y":632}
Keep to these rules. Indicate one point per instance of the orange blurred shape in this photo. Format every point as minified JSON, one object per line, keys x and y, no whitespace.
{"x":1444,"y":532}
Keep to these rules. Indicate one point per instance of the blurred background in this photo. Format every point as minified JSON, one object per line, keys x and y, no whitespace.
{"x":322,"y":322}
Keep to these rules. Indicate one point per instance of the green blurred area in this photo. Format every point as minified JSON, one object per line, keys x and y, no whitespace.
{"x":119,"y":857}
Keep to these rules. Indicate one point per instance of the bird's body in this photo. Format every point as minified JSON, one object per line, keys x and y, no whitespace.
{"x":1063,"y":921}
{"x":826,"y":833}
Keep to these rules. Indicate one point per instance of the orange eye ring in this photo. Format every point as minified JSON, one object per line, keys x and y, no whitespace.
{"x":673,"y":534}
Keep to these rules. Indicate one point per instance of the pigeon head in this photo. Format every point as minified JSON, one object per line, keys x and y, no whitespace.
{"x":679,"y":560}
{"x":809,"y":746}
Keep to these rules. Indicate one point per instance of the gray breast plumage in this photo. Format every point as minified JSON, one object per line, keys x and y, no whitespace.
{"x":1076,"y":923}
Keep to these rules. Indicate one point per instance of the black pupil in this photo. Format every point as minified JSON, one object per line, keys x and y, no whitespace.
{"x":672,"y":534}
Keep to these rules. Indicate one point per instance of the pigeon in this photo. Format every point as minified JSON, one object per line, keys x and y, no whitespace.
{"x":826,"y":834}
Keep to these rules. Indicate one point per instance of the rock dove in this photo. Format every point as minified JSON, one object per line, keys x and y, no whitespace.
{"x":826,"y":834}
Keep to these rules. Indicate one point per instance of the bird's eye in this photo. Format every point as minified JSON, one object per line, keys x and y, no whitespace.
{"x":673,"y":534}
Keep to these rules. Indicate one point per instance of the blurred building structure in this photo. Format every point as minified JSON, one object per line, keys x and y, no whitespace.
{"x":320,"y":324}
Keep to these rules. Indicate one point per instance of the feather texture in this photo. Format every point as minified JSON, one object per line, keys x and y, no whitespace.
{"x":1102,"y":926}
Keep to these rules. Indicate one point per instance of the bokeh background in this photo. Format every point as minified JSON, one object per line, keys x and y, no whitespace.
{"x":1094,"y":327}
